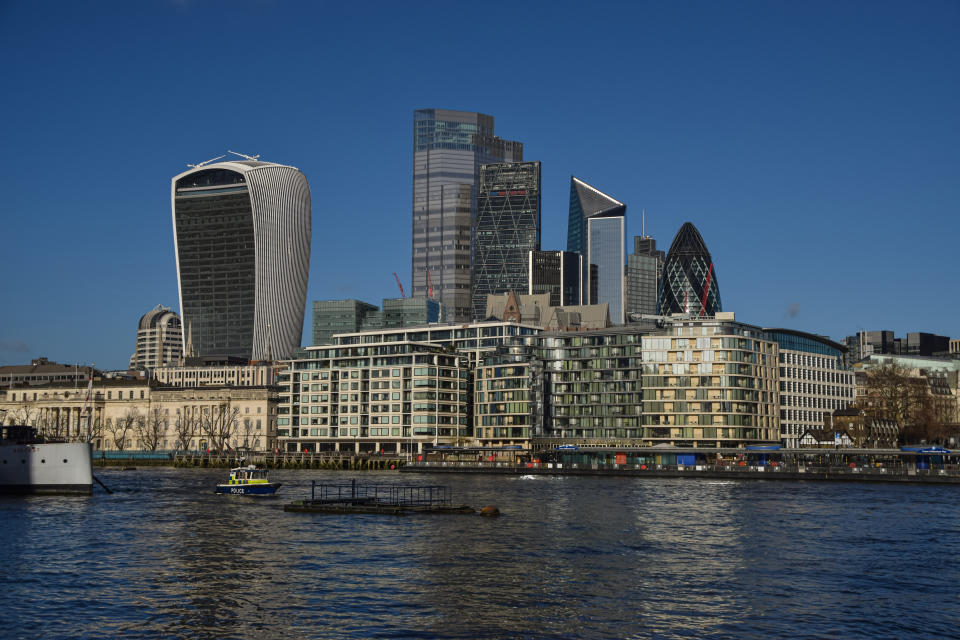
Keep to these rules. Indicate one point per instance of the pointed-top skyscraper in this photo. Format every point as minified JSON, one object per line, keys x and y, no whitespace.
{"x":689,"y":282}
{"x":597,"y":231}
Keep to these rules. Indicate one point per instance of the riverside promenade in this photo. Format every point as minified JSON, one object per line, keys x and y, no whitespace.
{"x":836,"y":465}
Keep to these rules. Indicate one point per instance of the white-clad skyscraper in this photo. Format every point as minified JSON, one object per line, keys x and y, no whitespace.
{"x":242,"y":238}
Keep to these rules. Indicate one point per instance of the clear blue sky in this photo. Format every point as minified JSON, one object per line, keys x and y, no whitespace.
{"x":814,"y":144}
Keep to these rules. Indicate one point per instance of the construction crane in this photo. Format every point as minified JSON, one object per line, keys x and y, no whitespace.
{"x":429,"y":284}
{"x":243,"y":155}
{"x":402,"y":294}
{"x":205,"y":162}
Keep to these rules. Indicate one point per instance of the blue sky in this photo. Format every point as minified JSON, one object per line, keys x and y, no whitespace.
{"x":814,"y":144}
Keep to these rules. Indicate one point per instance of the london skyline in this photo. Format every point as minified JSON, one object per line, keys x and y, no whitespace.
{"x":814,"y":147}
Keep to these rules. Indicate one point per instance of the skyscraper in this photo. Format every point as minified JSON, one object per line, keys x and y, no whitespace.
{"x":507,"y":229}
{"x":597,"y":231}
{"x":159,"y":340}
{"x":557,"y":273}
{"x":689,"y":282}
{"x":448,"y":149}
{"x":644,"y":267}
{"x":242,"y":240}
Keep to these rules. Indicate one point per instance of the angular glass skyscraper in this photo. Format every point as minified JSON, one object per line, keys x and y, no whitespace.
{"x":689,"y":283}
{"x":242,"y":239}
{"x":448,"y":149}
{"x":597,"y":231}
{"x":507,"y":229}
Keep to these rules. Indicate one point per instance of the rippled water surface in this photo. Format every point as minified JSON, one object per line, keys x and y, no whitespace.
{"x":571,"y":557}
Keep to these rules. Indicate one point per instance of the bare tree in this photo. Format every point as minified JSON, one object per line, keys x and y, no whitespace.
{"x":187,"y":426}
{"x":150,"y":430}
{"x":96,"y":427}
{"x":218,"y":424}
{"x":122,"y":427}
{"x":894,"y":394}
{"x":24,"y":413}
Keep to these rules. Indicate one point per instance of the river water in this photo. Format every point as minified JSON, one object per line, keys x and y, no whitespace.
{"x":570,"y":557}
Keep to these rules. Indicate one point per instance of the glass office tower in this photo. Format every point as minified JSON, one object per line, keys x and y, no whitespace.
{"x":644,"y":267}
{"x":557,"y":273}
{"x":689,"y":283}
{"x":242,"y":240}
{"x":448,"y":149}
{"x":597,"y":230}
{"x":506,"y":231}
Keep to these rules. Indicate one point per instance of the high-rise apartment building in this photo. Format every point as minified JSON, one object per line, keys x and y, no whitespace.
{"x":242,"y":239}
{"x":159,"y":340}
{"x":448,"y":149}
{"x":507,"y":229}
{"x":689,"y":281}
{"x":597,"y":231}
{"x":644,"y":268}
{"x":557,"y":273}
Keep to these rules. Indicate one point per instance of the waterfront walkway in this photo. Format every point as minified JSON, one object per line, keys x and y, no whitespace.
{"x":905,"y":473}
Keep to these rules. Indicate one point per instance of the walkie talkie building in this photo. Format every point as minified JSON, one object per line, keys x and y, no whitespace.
{"x":242,"y":239}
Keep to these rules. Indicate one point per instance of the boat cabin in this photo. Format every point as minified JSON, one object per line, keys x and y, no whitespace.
{"x":248,"y":475}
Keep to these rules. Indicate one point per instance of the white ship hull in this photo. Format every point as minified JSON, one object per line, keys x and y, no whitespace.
{"x":61,"y":468}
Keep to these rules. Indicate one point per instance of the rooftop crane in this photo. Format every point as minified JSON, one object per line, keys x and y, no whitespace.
{"x":243,"y":155}
{"x":402,"y":294}
{"x":430,"y":284}
{"x":205,"y":162}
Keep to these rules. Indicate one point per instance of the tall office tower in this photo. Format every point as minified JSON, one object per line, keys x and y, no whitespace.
{"x":557,"y":273}
{"x":507,"y":229}
{"x":159,"y":340}
{"x":689,"y":281}
{"x":242,"y":237}
{"x":597,"y":231}
{"x":448,"y":149}
{"x":644,"y":267}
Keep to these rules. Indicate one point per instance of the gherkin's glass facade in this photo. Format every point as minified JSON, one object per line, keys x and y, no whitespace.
{"x":689,"y":282}
{"x":506,"y":231}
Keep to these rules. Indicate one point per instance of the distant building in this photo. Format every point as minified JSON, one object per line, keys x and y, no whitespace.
{"x":242,"y":239}
{"x":867,"y":343}
{"x":596,"y":229}
{"x":507,"y":229}
{"x":955,"y":346}
{"x":448,"y":149}
{"x":254,"y":374}
{"x":815,"y":380}
{"x":331,"y":317}
{"x":338,"y":316}
{"x":41,"y":371}
{"x":159,"y":340}
{"x":558,"y":274}
{"x":689,"y":282}
{"x":537,"y":310}
{"x":644,"y":268}
{"x":927,"y":344}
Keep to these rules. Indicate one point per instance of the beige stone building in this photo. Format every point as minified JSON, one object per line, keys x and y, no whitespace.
{"x":136,"y":415}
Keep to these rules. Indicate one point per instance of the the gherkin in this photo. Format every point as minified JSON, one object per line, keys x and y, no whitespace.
{"x":689,"y":283}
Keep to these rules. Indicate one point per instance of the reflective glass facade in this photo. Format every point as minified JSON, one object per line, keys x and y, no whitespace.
{"x":606,"y":237}
{"x":506,"y":231}
{"x":448,"y":149}
{"x":558,"y":274}
{"x":588,"y":203}
{"x":689,"y":282}
{"x":217,"y":261}
{"x":644,"y":267}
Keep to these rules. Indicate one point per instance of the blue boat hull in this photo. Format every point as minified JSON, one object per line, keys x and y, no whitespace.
{"x":262,"y":489}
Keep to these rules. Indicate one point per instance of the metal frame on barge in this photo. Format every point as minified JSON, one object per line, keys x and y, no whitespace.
{"x":922,"y":464}
{"x":387,"y":499}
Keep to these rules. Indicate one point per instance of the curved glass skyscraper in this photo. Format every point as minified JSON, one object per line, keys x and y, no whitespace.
{"x":242,"y":237}
{"x":689,"y":282}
